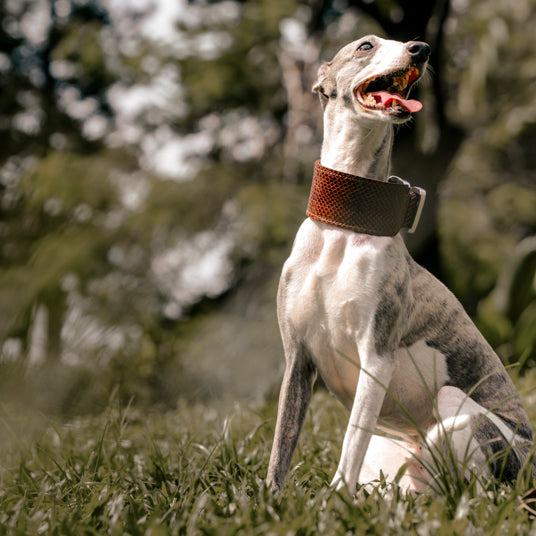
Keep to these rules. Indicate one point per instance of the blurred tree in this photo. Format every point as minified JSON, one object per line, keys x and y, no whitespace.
{"x":62,"y":193}
{"x":156,"y":164}
{"x":489,"y":195}
{"x":99,"y":255}
{"x":41,"y":77}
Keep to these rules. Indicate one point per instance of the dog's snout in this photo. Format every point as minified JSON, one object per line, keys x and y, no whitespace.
{"x":418,"y":50}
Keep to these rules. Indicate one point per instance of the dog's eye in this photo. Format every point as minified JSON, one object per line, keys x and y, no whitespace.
{"x":365,"y":46}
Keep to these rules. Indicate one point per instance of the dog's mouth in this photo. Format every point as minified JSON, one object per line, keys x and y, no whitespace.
{"x":388,"y":93}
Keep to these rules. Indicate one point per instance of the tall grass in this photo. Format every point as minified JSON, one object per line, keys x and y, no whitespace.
{"x":201,"y":469}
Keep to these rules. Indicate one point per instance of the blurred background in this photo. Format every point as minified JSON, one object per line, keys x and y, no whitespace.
{"x":155,"y":165}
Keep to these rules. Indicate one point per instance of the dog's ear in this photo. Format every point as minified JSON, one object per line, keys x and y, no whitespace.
{"x":325,"y":85}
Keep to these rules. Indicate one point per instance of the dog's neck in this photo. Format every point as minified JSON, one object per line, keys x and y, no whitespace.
{"x":357,"y":147}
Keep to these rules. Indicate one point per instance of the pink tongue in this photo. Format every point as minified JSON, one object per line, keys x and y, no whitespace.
{"x":386,"y":98}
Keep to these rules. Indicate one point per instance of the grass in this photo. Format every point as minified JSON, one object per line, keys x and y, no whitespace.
{"x":200,"y":470}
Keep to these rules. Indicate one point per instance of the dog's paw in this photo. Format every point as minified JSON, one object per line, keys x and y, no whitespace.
{"x":338,"y":483}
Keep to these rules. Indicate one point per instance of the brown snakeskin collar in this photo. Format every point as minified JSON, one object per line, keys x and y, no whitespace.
{"x":380,"y":208}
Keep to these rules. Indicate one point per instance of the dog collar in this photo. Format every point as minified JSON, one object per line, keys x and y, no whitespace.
{"x":370,"y":206}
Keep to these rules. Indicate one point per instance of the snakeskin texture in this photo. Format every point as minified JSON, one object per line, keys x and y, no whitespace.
{"x":363,"y":205}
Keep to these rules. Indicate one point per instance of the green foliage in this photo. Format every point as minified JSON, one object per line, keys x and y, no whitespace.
{"x":72,"y":242}
{"x":66,"y":202}
{"x":488,"y":211}
{"x":190,"y":206}
{"x":508,"y":315}
{"x":248,"y":73}
{"x":81,"y":46}
{"x":488,"y":199}
{"x":200,"y":470}
{"x":52,"y":257}
{"x":266,"y":220}
{"x":72,"y":180}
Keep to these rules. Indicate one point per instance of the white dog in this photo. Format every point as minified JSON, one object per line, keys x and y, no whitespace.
{"x":389,"y":340}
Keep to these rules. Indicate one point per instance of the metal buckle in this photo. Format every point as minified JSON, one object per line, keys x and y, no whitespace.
{"x":422,"y":198}
{"x":397,"y":180}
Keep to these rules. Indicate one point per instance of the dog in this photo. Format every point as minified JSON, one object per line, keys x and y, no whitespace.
{"x":389,"y":340}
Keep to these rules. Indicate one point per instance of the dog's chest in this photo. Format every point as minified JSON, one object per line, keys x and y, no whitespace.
{"x":330,"y":280}
{"x":329,"y":295}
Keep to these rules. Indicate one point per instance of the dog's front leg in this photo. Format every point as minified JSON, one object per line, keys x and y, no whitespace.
{"x":375,"y":375}
{"x":294,"y":399}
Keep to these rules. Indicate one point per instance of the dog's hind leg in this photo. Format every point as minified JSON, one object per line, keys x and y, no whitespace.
{"x":471,"y":441}
{"x":294,"y":398}
{"x":395,"y":460}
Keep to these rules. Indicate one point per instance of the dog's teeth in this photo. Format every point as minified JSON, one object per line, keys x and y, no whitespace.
{"x":401,"y":82}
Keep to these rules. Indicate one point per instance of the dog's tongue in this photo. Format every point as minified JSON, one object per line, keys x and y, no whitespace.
{"x":386,"y":98}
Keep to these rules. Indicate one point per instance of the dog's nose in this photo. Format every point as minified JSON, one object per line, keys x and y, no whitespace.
{"x":418,"y":50}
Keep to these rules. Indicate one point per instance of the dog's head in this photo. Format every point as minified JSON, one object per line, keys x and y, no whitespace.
{"x":374,"y":76}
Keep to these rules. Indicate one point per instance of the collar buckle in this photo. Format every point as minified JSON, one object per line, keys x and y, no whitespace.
{"x":421,"y":194}
{"x":397,"y":180}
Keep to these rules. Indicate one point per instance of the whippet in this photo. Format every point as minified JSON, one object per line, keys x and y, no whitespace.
{"x":389,"y":340}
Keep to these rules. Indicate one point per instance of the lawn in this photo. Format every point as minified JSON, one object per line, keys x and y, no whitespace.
{"x":200,"y":470}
